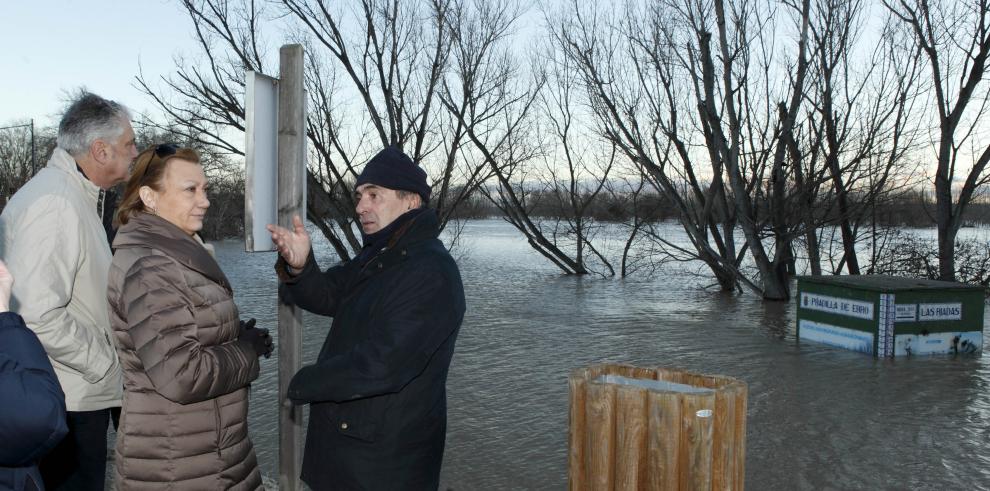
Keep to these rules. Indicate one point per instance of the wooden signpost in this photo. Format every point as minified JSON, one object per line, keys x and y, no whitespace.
{"x":288,"y":115}
{"x":291,"y":201}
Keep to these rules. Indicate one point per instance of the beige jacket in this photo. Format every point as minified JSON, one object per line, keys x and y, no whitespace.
{"x":186,"y":375}
{"x":53,"y":241}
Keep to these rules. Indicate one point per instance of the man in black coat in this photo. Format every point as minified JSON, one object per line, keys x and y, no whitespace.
{"x":377,"y":392}
{"x":32,"y":412}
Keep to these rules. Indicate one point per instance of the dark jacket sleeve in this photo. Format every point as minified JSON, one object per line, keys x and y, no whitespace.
{"x":417,"y":314}
{"x":161,"y":323}
{"x":32,"y":415}
{"x":312,"y":290}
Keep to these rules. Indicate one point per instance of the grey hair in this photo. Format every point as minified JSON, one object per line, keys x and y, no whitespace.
{"x":90,"y":118}
{"x":403,"y":194}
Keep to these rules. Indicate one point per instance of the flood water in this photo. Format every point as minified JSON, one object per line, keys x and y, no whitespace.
{"x":819,"y":417}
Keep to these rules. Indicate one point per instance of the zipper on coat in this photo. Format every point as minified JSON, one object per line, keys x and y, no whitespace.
{"x":99,"y":204}
{"x":216,"y":405}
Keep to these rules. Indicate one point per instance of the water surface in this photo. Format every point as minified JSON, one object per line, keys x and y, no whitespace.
{"x":819,"y":417}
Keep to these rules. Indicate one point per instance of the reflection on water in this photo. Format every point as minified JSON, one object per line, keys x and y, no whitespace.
{"x":819,"y":417}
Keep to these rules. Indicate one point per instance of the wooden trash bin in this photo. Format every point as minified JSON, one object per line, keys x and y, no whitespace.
{"x":655,"y":428}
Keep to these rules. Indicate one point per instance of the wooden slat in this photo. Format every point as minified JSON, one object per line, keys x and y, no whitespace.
{"x":631,"y":423}
{"x":600,"y":432}
{"x":696,"y":442}
{"x":664,"y":439}
{"x":577,"y":471}
{"x":723,"y":440}
{"x":739,"y":461}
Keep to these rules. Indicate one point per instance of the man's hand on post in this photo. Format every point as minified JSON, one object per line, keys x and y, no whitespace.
{"x":293,"y":245}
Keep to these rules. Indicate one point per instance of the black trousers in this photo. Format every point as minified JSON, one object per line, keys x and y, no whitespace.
{"x":79,"y":461}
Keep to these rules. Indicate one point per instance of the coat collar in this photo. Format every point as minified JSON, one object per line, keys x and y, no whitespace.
{"x":147,"y":230}
{"x":424,"y":226}
{"x":402,"y":245}
{"x":63,"y":162}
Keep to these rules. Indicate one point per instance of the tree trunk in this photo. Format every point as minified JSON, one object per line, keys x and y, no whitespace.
{"x":814,"y":253}
{"x":947,"y":229}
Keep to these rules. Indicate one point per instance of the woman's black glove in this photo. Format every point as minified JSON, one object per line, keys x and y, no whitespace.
{"x":258,"y":339}
{"x":247,"y":325}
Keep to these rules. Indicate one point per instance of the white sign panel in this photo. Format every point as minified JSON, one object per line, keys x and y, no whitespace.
{"x":906,"y":312}
{"x":838,"y":306}
{"x":261,"y":161}
{"x":938,"y":343}
{"x":939,"y":311}
{"x":850,"y":339}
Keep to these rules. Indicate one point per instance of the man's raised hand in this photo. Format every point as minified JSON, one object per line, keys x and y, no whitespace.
{"x":293,"y":245}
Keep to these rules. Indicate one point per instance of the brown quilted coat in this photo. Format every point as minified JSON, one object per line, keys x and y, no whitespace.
{"x":184,"y":420}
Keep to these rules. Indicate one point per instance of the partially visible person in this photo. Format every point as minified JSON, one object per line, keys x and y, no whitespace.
{"x":32,"y":416}
{"x":52,"y":234}
{"x":187,"y":359}
{"x":377,"y":392}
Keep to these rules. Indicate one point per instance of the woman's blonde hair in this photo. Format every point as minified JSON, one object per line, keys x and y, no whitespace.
{"x":149,"y":170}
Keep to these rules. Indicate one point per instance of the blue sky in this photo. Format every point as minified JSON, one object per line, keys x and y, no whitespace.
{"x":51,"y":47}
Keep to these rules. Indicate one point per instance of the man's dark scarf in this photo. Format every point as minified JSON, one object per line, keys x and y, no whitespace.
{"x":378,"y":241}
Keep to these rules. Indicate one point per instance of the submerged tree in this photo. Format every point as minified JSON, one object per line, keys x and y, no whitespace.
{"x":500,"y":106}
{"x":851,"y":146}
{"x":687,"y":91}
{"x":635,"y":91}
{"x":954,"y":40}
{"x":753,"y":119}
{"x":577,"y":165}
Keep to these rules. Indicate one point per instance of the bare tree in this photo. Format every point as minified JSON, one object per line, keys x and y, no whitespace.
{"x":204,"y":101}
{"x":677,"y":83}
{"x":577,"y":165}
{"x":636,"y":90}
{"x":20,"y":157}
{"x":493,"y":100}
{"x":373,"y":71}
{"x":747,"y":160}
{"x":954,"y":38}
{"x":644,"y":250}
{"x":850,"y":151}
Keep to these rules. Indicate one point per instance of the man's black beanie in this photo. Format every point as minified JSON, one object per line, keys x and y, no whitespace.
{"x":393,"y":169}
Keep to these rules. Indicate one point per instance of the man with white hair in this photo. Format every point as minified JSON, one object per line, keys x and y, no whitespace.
{"x":54,"y":235}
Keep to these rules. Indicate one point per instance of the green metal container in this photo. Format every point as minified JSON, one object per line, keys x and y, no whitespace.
{"x":890,"y":316}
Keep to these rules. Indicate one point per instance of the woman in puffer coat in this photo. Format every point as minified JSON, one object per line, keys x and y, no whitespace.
{"x":186,"y":357}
